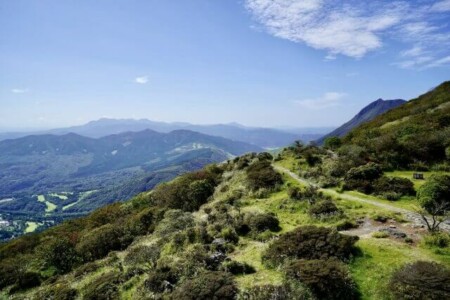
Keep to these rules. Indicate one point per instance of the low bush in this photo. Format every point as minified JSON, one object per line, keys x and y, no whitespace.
{"x":161,"y":280}
{"x":292,"y":290}
{"x":207,"y":286}
{"x":58,"y":291}
{"x":86,"y":269}
{"x":310,"y":242}
{"x":105,"y":287}
{"x":323,"y":209}
{"x":59,"y":253}
{"x":25,"y":281}
{"x":346,"y":225}
{"x":421,"y":280}
{"x":437,"y":239}
{"x":380,"y":234}
{"x":237,"y":268}
{"x":259,"y":222}
{"x":393,"y":186}
{"x":326,"y":279}
{"x":262,"y":175}
{"x":100,"y":241}
{"x":143,"y":256}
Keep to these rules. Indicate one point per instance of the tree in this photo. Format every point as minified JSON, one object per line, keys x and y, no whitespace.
{"x":61,"y":254}
{"x":434,"y":199}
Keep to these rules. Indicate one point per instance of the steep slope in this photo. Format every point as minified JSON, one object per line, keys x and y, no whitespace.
{"x":367,"y":114}
{"x":414,"y":135}
{"x":262,"y":137}
{"x":55,"y":176}
{"x":237,"y":230}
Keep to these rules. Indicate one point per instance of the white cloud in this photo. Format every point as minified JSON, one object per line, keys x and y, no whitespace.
{"x":334,"y":26}
{"x":354,"y":28}
{"x":327,"y":100}
{"x":141,"y":79}
{"x":441,"y":6}
{"x":19,"y":91}
{"x":439,"y":62}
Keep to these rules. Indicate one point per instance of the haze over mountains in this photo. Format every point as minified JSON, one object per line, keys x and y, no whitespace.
{"x":262,"y":137}
{"x":367,"y":114}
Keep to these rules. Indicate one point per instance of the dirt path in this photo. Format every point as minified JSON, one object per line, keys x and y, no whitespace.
{"x":413,"y":217}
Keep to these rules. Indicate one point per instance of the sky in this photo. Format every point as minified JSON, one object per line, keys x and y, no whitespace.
{"x":298,"y":63}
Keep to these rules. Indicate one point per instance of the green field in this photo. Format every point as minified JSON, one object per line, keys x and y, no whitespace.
{"x":31,"y":227}
{"x":50,"y":206}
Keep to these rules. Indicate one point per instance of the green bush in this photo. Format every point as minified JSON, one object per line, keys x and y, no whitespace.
{"x":105,"y":287}
{"x":58,"y":291}
{"x":237,"y":268}
{"x":326,"y":279}
{"x":310,"y":242}
{"x":25,"y":281}
{"x":259,"y":222}
{"x":292,"y":290}
{"x":144,"y":256}
{"x":100,"y":241}
{"x":262,"y":175}
{"x":437,"y":239}
{"x":86,"y":269}
{"x":61,"y":254}
{"x":207,"y":286}
{"x":323,"y":208}
{"x":394,"y":185}
{"x":161,"y":280}
{"x":421,"y":280}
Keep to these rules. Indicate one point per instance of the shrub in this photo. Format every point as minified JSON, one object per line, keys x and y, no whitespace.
{"x":259,"y":222}
{"x":105,"y":287}
{"x":294,"y":192}
{"x":206,"y":286}
{"x":262,"y":175}
{"x":161,"y":280}
{"x":323,"y":208}
{"x":10,"y":270}
{"x":187,"y":192}
{"x":437,"y":239}
{"x":237,"y":268}
{"x":310,"y":242}
{"x":434,"y":198}
{"x":25,"y":281}
{"x":326,"y":279}
{"x":333,"y":142}
{"x":291,"y":290}
{"x":421,"y":280}
{"x":58,"y":291}
{"x":145,"y":256}
{"x":346,"y":225}
{"x":100,"y":241}
{"x":60,"y":253}
{"x":361,"y":178}
{"x":393,"y":185}
{"x":85,"y":269}
{"x":380,"y":234}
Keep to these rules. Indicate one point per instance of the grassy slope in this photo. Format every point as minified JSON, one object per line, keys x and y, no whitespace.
{"x":371,"y":270}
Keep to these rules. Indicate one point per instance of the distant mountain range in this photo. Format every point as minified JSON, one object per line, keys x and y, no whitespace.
{"x":262,"y":137}
{"x":63,"y":174}
{"x":367,"y":114}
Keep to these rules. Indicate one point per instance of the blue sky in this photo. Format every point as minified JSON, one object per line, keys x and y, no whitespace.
{"x":301,"y":63}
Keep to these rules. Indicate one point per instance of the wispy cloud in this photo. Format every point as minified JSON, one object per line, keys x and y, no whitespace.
{"x":441,"y":6}
{"x":19,"y":91}
{"x":354,"y":28}
{"x":141,"y":79}
{"x":327,"y":100}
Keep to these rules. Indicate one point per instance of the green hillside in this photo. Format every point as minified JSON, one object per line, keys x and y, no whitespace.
{"x":415,"y":135}
{"x":245,"y":229}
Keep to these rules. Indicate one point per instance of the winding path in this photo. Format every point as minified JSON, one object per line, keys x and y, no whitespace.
{"x":413,"y":217}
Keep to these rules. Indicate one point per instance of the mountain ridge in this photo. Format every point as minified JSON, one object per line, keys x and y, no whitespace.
{"x":366,"y":114}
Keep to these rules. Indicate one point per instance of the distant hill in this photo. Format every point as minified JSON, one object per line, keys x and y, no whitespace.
{"x":368,"y":113}
{"x":262,"y":137}
{"x":70,"y":173}
{"x":415,"y":135}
